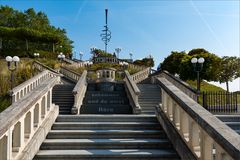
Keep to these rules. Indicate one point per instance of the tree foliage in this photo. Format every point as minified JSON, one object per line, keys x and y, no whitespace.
{"x":149,"y":62}
{"x":28,"y":31}
{"x":180,"y":63}
{"x":230,"y":70}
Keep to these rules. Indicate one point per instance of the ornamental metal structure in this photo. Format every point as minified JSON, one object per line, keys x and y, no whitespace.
{"x":106,"y":35}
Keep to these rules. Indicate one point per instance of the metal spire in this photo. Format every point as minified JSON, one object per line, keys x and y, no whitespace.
{"x":106,"y":35}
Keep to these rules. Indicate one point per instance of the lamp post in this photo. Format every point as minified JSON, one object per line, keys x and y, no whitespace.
{"x":198,"y":65}
{"x":118,"y":50}
{"x":130,"y":54}
{"x":61,"y":56}
{"x":81,"y":54}
{"x":12,"y":66}
{"x":36,"y":55}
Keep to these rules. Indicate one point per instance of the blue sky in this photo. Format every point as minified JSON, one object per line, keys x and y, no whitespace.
{"x":145,"y":27}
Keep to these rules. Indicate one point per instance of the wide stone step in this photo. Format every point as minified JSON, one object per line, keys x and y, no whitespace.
{"x":147,"y":100}
{"x":76,"y":144}
{"x":104,"y":125}
{"x":76,"y":134}
{"x":107,"y":118}
{"x":105,"y":100}
{"x":105,"y":109}
{"x":64,"y":102}
{"x":64,"y":112}
{"x":229,"y":118}
{"x":108,"y":154}
{"x":148,"y":112}
{"x":233,"y":125}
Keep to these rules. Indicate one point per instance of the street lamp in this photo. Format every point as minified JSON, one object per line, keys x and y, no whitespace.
{"x":61,"y":56}
{"x":81,"y":54}
{"x":198,"y":65}
{"x":130,"y":54}
{"x":36,"y":55}
{"x":12,"y":66}
{"x":118,"y":50}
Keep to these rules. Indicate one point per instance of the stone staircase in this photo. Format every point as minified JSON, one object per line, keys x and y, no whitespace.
{"x":62,"y":96}
{"x":105,"y":99}
{"x":149,"y":97}
{"x":233,"y":121}
{"x":106,"y":137}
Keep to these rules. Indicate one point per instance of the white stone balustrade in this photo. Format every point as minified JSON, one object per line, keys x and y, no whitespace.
{"x":24,"y":125}
{"x":41,"y":67}
{"x":26,"y":87}
{"x":183,"y":86}
{"x":204,"y":134}
{"x":133,"y":92}
{"x":79,"y":92}
{"x":74,"y":76}
{"x":141,"y":75}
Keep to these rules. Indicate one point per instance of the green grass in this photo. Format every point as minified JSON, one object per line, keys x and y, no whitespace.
{"x":205,"y":86}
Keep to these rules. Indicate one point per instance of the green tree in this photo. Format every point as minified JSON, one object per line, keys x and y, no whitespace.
{"x":180,"y":63}
{"x":24,"y":33}
{"x":230,"y":70}
{"x":149,"y":62}
{"x":172,"y":62}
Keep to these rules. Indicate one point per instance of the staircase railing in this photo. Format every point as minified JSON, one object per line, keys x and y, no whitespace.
{"x":141,"y":75}
{"x":25,"y":124}
{"x":79,"y":92}
{"x":204,"y":134}
{"x":183,"y":86}
{"x":133,"y":92}
{"x":74,"y":76}
{"x":41,"y":67}
{"x":26,"y":87}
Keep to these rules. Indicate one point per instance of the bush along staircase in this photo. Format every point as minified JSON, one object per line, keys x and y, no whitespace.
{"x":150,"y":96}
{"x":105,"y":137}
{"x":63,"y":97}
{"x":105,"y":98}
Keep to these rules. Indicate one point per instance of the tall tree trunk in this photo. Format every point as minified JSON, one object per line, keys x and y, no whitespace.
{"x":227,"y":85}
{"x":1,"y":43}
{"x":53,"y":48}
{"x":227,"y":95}
{"x":26,"y":45}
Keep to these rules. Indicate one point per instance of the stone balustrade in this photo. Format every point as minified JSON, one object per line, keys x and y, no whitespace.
{"x":132,"y":92}
{"x":134,"y":66}
{"x":205,"y":135}
{"x":79,"y":92}
{"x":141,"y":75}
{"x":74,"y":76}
{"x":68,"y":60}
{"x":25,"y":124}
{"x":23,"y":89}
{"x":183,"y":86}
{"x":41,"y":67}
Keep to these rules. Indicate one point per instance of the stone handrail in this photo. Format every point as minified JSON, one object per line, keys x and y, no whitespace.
{"x":141,"y":75}
{"x":204,"y":134}
{"x":74,"y":76}
{"x":24,"y":125}
{"x":41,"y":67}
{"x":134,"y":66}
{"x":23,"y":89}
{"x":79,"y":92}
{"x":183,"y":86}
{"x":68,"y":60}
{"x":133,"y":92}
